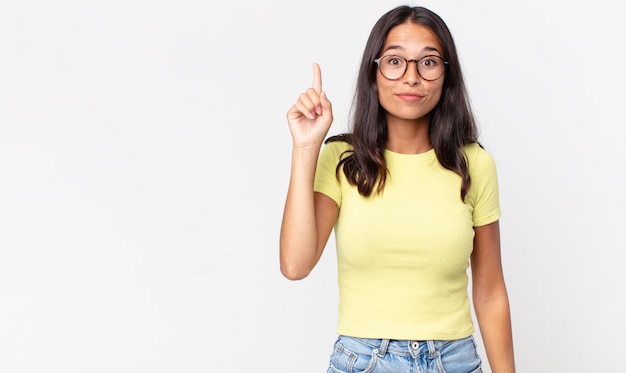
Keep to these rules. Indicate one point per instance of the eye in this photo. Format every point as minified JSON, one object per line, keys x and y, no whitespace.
{"x":394,"y":61}
{"x":430,"y":62}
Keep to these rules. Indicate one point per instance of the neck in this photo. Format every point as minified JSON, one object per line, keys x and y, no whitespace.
{"x":408,"y":137}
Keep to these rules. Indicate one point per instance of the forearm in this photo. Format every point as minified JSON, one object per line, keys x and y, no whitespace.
{"x":298,"y":236}
{"x":494,"y":320}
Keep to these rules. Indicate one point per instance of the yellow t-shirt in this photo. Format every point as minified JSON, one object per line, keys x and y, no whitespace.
{"x":403,"y":255}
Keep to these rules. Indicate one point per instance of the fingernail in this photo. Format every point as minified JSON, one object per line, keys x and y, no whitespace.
{"x":318,"y":110}
{"x":310,"y":116}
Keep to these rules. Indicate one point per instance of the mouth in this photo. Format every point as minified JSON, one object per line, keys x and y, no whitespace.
{"x":409,"y":97}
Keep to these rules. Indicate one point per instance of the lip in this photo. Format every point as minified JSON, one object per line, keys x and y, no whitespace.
{"x":409,"y":96}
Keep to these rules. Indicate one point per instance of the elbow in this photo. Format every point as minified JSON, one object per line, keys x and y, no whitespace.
{"x":293,"y":272}
{"x":296,"y":261}
{"x":491,"y":299}
{"x":294,"y":267}
{"x":293,"y":276}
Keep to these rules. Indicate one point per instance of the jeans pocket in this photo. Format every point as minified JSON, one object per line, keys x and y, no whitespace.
{"x":351,"y":356}
{"x":460,"y":356}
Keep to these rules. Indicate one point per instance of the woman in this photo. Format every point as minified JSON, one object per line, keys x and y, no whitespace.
{"x":413,"y":199}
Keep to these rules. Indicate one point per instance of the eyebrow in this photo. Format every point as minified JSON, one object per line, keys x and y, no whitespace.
{"x":399,"y":47}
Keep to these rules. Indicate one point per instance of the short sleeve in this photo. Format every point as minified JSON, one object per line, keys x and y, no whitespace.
{"x":483,"y":194}
{"x":326,"y":181}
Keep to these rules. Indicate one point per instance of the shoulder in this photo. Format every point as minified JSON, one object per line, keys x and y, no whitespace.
{"x":483,"y":191}
{"x":478,"y":158}
{"x":336,"y":149}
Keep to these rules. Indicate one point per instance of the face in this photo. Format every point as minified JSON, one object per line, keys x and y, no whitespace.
{"x":409,"y":98}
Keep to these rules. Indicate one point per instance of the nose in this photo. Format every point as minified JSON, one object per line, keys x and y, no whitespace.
{"x":412,"y":77}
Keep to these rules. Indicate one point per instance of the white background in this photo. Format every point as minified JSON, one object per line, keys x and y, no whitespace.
{"x":144,"y":160}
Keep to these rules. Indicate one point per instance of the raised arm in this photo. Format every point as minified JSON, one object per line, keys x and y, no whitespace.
{"x":491,"y":301}
{"x":308,"y":217}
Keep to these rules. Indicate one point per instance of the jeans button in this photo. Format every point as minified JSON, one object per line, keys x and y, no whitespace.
{"x":415,"y":345}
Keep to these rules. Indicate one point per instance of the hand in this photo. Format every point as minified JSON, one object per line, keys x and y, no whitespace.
{"x":310,"y":118}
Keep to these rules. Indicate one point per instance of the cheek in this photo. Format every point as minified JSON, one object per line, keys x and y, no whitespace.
{"x":437,"y":94}
{"x":383,"y":91}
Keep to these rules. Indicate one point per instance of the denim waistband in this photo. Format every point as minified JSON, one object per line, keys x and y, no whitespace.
{"x":410,"y":347}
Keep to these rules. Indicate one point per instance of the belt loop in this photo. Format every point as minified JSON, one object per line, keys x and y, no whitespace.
{"x":383,"y":348}
{"x":432,"y":352}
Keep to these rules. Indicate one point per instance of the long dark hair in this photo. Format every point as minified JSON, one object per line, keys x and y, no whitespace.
{"x":452,"y":124}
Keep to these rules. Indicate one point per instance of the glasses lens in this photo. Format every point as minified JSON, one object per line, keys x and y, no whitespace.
{"x":392,"y":67}
{"x":430,"y":67}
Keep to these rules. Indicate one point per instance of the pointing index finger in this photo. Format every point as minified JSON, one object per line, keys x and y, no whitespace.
{"x":317,"y":78}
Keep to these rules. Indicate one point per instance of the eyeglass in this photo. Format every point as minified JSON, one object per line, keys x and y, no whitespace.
{"x":428,"y":67}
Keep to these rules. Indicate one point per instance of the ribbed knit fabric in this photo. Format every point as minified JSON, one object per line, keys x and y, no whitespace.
{"x":403,"y":255}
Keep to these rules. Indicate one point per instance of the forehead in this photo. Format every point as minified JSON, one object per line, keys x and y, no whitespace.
{"x":412,"y":38}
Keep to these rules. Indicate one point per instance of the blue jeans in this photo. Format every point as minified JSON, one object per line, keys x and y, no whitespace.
{"x":362,"y":355}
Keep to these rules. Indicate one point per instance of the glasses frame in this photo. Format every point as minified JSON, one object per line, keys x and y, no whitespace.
{"x":406,"y":66}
